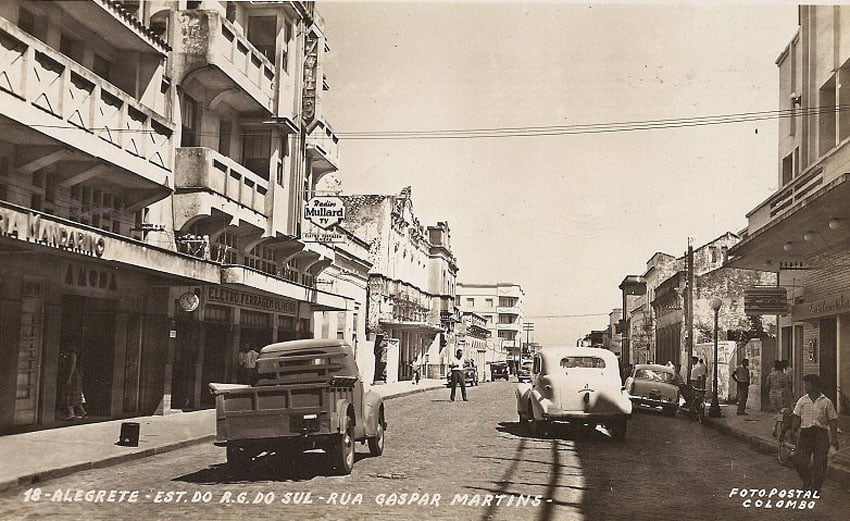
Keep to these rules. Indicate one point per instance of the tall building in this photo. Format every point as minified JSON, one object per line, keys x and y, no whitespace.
{"x":802,"y":231}
{"x":501,"y":305}
{"x":155,"y":160}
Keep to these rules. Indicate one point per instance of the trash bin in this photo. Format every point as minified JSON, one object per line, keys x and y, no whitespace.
{"x":129,"y":436}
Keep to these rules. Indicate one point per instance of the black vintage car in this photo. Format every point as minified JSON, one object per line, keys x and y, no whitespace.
{"x":498,"y":370}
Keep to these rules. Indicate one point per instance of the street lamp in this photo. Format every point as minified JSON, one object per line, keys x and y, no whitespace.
{"x":714,"y":410}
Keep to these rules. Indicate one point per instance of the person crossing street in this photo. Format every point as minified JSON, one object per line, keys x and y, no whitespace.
{"x":457,"y":376}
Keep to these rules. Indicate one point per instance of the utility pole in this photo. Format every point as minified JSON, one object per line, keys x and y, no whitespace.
{"x":689,"y":306}
{"x":528,"y":327}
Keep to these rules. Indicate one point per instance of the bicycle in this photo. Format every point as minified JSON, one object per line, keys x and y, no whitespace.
{"x":786,"y":449}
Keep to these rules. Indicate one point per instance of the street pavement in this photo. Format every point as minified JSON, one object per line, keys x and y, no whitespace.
{"x":453,"y":461}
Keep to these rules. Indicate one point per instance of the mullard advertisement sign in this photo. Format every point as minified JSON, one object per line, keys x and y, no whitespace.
{"x":32,"y":227}
{"x":324,"y":212}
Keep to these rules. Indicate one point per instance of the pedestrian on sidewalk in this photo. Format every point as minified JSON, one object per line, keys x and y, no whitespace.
{"x":70,"y":372}
{"x":416,"y":367}
{"x":742,"y":378}
{"x":776,"y":388}
{"x":248,"y":365}
{"x":815,"y":421}
{"x":700,"y":372}
{"x":457,"y":376}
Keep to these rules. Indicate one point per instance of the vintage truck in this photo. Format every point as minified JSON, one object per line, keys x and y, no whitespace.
{"x":308,"y":396}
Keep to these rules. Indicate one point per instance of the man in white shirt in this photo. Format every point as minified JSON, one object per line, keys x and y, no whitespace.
{"x":699,"y":373}
{"x":814,"y":422}
{"x":457,"y":376}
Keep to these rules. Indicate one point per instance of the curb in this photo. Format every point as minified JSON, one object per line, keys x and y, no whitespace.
{"x":766,"y":447}
{"x":38,"y":477}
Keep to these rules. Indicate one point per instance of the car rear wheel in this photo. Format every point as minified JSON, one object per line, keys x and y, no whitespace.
{"x":376,"y":442}
{"x":539,"y":428}
{"x":670,"y":410}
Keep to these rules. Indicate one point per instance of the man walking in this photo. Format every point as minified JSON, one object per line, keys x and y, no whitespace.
{"x":742,"y":378}
{"x":813,"y":423}
{"x":457,"y":376}
{"x":699,"y":373}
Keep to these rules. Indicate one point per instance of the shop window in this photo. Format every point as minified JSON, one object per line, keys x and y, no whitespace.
{"x":213,"y":313}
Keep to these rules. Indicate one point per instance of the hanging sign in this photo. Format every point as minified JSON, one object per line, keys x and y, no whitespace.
{"x":324,"y":211}
{"x":769,"y":300}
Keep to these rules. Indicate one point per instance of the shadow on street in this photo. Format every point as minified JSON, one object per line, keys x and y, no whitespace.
{"x":267,"y":467}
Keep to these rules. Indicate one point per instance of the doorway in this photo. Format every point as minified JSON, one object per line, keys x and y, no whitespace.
{"x":828,"y":356}
{"x":89,"y":324}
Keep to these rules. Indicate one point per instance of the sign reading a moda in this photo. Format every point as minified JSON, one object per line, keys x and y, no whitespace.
{"x":324,"y":211}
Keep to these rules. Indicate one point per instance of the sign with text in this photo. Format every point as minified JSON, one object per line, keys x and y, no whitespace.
{"x":324,"y":211}
{"x":323,"y":238}
{"x":223,"y":295}
{"x":770,"y":300}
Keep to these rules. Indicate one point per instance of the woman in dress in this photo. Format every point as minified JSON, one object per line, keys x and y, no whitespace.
{"x":777,"y":391}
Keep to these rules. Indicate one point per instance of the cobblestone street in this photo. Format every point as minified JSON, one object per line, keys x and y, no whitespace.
{"x":458,"y":461}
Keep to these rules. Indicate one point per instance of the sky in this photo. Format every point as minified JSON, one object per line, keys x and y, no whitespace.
{"x":565,"y":216}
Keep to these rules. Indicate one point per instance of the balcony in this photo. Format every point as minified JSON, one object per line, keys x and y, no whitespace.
{"x":115,"y":24}
{"x":800,"y":220}
{"x":322,"y":149}
{"x":208,"y":181}
{"x":57,"y":110}
{"x":514,"y":326}
{"x":211,"y":50}
{"x":514,"y":310}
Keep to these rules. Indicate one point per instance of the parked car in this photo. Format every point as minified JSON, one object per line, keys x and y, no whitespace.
{"x":524,"y":371}
{"x":578,"y":385}
{"x":498,"y":370}
{"x":653,"y":385}
{"x":470,"y":373}
{"x":308,"y":395}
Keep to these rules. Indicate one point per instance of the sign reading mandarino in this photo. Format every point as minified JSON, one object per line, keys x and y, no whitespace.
{"x":324,"y":211}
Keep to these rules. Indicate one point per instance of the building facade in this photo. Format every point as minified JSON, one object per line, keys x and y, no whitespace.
{"x":151,"y":187}
{"x":501,"y":305}
{"x":801,"y":230}
{"x":411,"y":318}
{"x":473,"y":337}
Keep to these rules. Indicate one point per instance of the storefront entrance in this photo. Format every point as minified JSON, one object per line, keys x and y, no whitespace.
{"x":828,"y":357}
{"x":88,"y":328}
{"x":217,"y":347}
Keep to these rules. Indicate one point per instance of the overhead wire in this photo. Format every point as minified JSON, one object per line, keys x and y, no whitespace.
{"x":525,"y":131}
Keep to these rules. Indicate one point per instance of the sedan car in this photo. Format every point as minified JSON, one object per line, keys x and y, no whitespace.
{"x":498,"y":370}
{"x":654,"y":385}
{"x":578,"y":385}
{"x":524,"y":372}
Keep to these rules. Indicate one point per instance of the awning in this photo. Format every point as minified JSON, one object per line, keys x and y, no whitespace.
{"x":791,"y":240}
{"x":259,"y":281}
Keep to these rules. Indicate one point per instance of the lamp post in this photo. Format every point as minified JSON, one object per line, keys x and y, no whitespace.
{"x":714,"y":410}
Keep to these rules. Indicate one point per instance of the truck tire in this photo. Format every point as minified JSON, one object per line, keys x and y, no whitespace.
{"x":342,"y":452}
{"x":376,"y":442}
{"x":618,"y":429}
{"x":238,"y":456}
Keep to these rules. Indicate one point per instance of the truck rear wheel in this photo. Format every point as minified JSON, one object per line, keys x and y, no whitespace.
{"x":238,"y":456}
{"x":342,"y":453}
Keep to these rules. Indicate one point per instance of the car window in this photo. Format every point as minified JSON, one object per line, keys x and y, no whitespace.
{"x":653,"y":375}
{"x":592,"y":362}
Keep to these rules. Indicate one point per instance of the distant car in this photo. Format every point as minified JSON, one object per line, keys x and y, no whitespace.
{"x":498,"y":370}
{"x":579,"y":385}
{"x":654,"y":385}
{"x":470,"y":374}
{"x":524,"y":372}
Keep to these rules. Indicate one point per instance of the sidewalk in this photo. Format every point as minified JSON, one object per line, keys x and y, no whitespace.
{"x":33,"y":457}
{"x":756,"y":429}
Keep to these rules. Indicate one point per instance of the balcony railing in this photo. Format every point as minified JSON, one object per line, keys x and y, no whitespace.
{"x":206,"y":38}
{"x":823,"y":172}
{"x":74,"y":97}
{"x":199,"y":167}
{"x":324,"y":145}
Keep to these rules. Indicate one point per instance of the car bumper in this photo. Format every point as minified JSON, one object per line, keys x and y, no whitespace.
{"x":653,"y":402}
{"x":554,"y":413}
